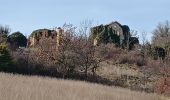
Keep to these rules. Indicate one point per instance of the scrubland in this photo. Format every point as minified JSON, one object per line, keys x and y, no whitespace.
{"x":18,"y":87}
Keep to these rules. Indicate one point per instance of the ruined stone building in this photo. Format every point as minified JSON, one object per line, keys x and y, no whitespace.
{"x":45,"y":37}
{"x":109,"y":33}
{"x":112,"y":33}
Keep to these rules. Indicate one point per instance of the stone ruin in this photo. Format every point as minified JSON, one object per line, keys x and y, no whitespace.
{"x":40,"y":35}
{"x":113,"y":33}
{"x":109,"y":33}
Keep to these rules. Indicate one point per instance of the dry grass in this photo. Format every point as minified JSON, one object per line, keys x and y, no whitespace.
{"x":17,"y":87}
{"x":111,"y":72}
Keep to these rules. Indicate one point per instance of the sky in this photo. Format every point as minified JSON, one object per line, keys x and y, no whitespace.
{"x":28,"y":15}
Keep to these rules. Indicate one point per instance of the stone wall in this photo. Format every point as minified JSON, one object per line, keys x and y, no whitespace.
{"x":45,"y":34}
{"x":111,"y":33}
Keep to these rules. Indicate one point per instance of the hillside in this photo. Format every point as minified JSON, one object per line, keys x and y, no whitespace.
{"x":18,"y":87}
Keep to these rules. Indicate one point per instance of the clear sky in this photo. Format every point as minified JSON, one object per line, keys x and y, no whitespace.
{"x":28,"y":15}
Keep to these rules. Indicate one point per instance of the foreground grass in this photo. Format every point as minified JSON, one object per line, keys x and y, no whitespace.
{"x":17,"y":87}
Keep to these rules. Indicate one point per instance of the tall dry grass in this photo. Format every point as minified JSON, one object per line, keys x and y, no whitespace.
{"x":18,"y":87}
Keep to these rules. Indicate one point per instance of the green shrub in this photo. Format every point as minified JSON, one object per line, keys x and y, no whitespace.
{"x":5,"y":58}
{"x":17,"y":39}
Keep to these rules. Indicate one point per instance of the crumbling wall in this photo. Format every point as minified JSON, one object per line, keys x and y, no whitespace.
{"x":45,"y":34}
{"x":112,"y":32}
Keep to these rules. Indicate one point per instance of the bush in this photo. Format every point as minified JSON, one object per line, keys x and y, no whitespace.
{"x":132,"y":57}
{"x":17,"y":39}
{"x":4,"y":31}
{"x":5,"y":58}
{"x":159,"y":72}
{"x":163,"y":86}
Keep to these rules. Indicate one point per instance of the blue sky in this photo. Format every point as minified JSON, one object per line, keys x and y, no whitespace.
{"x":28,"y":15}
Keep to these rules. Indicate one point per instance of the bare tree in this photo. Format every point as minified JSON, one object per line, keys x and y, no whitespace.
{"x":77,"y":52}
{"x":161,"y":35}
{"x":144,"y":41}
{"x":85,"y":27}
{"x":89,"y":58}
{"x":144,"y":37}
{"x":161,"y":40}
{"x":131,"y":39}
{"x":4,"y":31}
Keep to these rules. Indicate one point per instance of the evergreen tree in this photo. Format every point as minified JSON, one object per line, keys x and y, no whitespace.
{"x":17,"y":39}
{"x":5,"y":58}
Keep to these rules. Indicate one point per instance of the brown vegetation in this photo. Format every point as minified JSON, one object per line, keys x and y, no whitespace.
{"x":145,"y":69}
{"x":17,"y":87}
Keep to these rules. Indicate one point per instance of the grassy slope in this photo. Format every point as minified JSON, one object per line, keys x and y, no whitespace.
{"x":110,"y":71}
{"x":17,"y":87}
